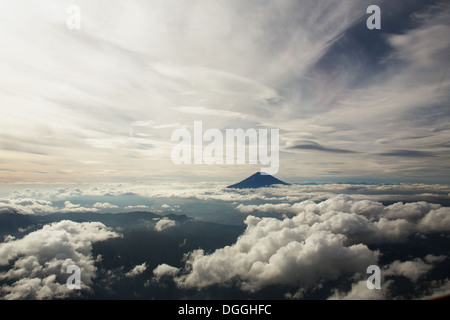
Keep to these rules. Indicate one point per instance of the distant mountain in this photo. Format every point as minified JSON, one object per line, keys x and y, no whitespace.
{"x":257,"y":180}
{"x":11,"y":223}
{"x":127,"y":220}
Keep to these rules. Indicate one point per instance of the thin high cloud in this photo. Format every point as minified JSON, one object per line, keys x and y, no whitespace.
{"x":311,"y":145}
{"x":406,"y":154}
{"x":97,"y":103}
{"x":40,"y":259}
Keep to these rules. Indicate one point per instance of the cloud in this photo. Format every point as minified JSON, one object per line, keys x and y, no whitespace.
{"x":436,"y":220}
{"x":40,"y":259}
{"x":209,"y":111}
{"x":321,"y":77}
{"x":406,"y":153}
{"x":164,"y":224}
{"x":164,"y":270}
{"x":409,"y":211}
{"x":362,"y":220}
{"x":167,"y":208}
{"x":359,"y":291}
{"x":298,"y":228}
{"x":413,"y":270}
{"x":321,"y":241}
{"x":273,"y":251}
{"x":311,"y":145}
{"x":267,"y":207}
{"x":26,"y":206}
{"x":71,"y":207}
{"x":104,"y":205}
{"x":137,"y":270}
{"x":137,"y":207}
{"x":371,"y":222}
{"x":35,"y":206}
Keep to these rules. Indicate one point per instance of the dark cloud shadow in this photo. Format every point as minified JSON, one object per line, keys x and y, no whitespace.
{"x":311,"y":145}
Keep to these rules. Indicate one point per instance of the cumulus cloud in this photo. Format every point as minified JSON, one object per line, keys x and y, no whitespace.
{"x":164,"y":270}
{"x":359,"y":291}
{"x":137,"y":270}
{"x":413,"y":270}
{"x":137,"y":207}
{"x":36,"y":206}
{"x":71,"y":207}
{"x":104,"y":205}
{"x":363,"y":220}
{"x":38,"y":262}
{"x":167,"y":208}
{"x":273,"y":251}
{"x":267,"y":207}
{"x":164,"y":223}
{"x":26,"y":206}
{"x":322,"y":241}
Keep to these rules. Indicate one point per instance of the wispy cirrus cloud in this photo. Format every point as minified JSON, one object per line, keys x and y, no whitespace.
{"x":40,"y":260}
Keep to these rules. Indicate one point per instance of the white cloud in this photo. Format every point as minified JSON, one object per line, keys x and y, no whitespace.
{"x":323,"y":241}
{"x":409,"y":211}
{"x":35,"y":206}
{"x":273,"y":251}
{"x":437,"y":289}
{"x":413,"y":270}
{"x":164,"y":270}
{"x":104,"y":205}
{"x":166,"y":64}
{"x":267,"y":207}
{"x":137,"y":207}
{"x":210,"y":111}
{"x":164,"y":224}
{"x":359,"y":291}
{"x":436,"y":220}
{"x":363,"y":220}
{"x":367,"y":197}
{"x":39,"y":260}
{"x":137,"y":270}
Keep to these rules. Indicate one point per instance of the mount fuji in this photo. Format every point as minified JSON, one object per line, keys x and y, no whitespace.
{"x":257,"y":180}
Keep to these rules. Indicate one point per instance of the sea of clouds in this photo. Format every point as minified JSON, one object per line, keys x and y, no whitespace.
{"x":300,"y":237}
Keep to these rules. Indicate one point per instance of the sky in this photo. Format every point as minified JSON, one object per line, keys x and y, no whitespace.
{"x":99,"y":103}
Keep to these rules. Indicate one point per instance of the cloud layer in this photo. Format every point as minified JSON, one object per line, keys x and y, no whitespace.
{"x":322,"y":242}
{"x":164,"y":223}
{"x":37,"y":263}
{"x":35,"y":206}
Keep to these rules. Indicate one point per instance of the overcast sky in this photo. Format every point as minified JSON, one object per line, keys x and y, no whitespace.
{"x":100,"y":103}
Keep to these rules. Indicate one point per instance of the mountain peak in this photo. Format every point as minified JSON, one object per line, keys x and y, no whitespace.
{"x":257,"y":180}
